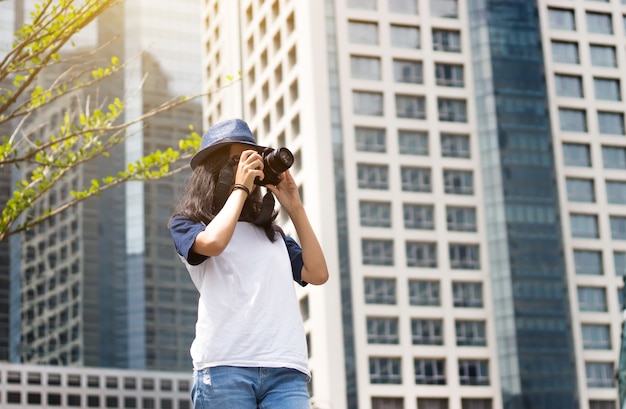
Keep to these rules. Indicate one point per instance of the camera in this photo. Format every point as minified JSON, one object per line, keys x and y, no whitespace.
{"x":275,"y":162}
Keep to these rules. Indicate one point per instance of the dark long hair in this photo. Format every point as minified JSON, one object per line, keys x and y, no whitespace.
{"x":196,"y":203}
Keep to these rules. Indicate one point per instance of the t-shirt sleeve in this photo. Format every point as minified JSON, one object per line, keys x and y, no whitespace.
{"x":184,"y":232}
{"x":295,"y":256}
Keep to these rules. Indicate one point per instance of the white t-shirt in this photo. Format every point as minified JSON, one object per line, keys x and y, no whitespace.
{"x":248,"y":312}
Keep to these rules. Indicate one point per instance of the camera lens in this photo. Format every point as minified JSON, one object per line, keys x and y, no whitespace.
{"x":280,"y":160}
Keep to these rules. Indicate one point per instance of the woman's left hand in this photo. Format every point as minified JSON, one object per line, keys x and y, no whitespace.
{"x":286,"y":192}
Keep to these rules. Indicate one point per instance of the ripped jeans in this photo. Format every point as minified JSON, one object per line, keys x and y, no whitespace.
{"x":229,"y":387}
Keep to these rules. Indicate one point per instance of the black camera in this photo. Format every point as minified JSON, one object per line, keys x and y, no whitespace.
{"x":275,"y":162}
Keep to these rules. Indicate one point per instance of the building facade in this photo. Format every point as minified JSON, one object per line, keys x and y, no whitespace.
{"x":463,"y":162}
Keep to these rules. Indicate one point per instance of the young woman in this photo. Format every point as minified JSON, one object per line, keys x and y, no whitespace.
{"x":250,"y":347}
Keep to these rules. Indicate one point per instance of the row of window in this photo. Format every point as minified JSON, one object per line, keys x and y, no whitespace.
{"x":406,"y":71}
{"x":575,"y":120}
{"x":411,"y":142}
{"x":586,"y":226}
{"x":408,"y":106}
{"x":428,"y":371}
{"x":583,"y":190}
{"x":423,"y":293}
{"x":438,"y":8}
{"x":384,"y":330}
{"x":567,"y":52}
{"x":403,"y":36}
{"x":379,"y":252}
{"x":589,"y":262}
{"x":579,"y":154}
{"x":597,"y":23}
{"x":52,"y":399}
{"x":571,"y":86}
{"x":466,"y":403}
{"x":414,"y":179}
{"x":417,"y":216}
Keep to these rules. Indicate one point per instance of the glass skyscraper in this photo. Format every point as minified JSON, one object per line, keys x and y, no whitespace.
{"x":100,"y":284}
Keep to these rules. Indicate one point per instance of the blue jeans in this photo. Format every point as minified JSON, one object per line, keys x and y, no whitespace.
{"x":230,"y":387}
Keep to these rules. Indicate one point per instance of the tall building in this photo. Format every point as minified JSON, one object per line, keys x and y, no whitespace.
{"x":464,"y":164}
{"x":100,"y":284}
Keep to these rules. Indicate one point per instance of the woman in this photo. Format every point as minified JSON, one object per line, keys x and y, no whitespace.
{"x":250,"y":347}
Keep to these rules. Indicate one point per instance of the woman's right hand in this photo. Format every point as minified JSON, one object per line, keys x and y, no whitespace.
{"x":249,"y":168}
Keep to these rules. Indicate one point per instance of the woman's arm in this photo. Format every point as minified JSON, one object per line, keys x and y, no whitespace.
{"x":214,"y":239}
{"x":314,"y":270}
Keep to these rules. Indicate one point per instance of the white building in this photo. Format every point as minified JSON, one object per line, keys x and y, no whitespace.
{"x":35,"y":386}
{"x":464,"y":164}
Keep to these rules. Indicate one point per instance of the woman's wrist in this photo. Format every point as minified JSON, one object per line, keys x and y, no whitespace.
{"x":238,"y":186}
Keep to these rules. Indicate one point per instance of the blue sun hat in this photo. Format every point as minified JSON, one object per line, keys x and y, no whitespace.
{"x":224,"y":133}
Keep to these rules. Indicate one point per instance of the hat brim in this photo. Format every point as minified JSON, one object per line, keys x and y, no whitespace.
{"x":201,"y":155}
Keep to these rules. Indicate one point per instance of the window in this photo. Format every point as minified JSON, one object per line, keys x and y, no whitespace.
{"x":467,"y":295}
{"x":385,"y":370}
{"x":455,"y":146}
{"x":461,"y":218}
{"x":446,"y":40}
{"x":614,"y":157}
{"x":473,"y":372}
{"x":424,"y":293}
{"x":588,"y":262}
{"x":405,"y":36}
{"x":602,"y":404}
{"x":415,"y":179}
{"x":616,"y":192}
{"x":599,"y":23}
{"x":603,"y":55}
{"x":596,"y":336}
{"x":387,"y":403}
{"x":573,"y":120}
{"x":592,"y":299}
{"x":375,"y":214}
{"x":366,"y":68}
{"x":407,"y":71}
{"x":432,"y":403}
{"x":568,"y":86}
{"x":470,"y":333}
{"x":382,"y":330}
{"x":444,"y":8}
{"x":618,"y":227}
{"x":367,"y":103}
{"x":458,"y":182}
{"x":370,"y":139}
{"x":377,"y":252}
{"x":419,"y":216}
{"x":410,"y":106}
{"x":380,"y":291}
{"x":449,"y":75}
{"x":575,"y":154}
{"x":413,"y":143}
{"x":611,"y":123}
{"x":362,"y":4}
{"x":464,"y":256}
{"x":584,"y":226}
{"x":452,"y":110}
{"x":421,"y":254}
{"x":599,"y":374}
{"x":580,"y":190}
{"x":619,"y":263}
{"x":565,"y":52}
{"x":607,"y":89}
{"x":373,"y":176}
{"x":429,"y":371}
{"x":561,"y":19}
{"x":363,"y":33}
{"x":426,"y":332}
{"x":476,"y":403}
{"x":403,"y":6}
